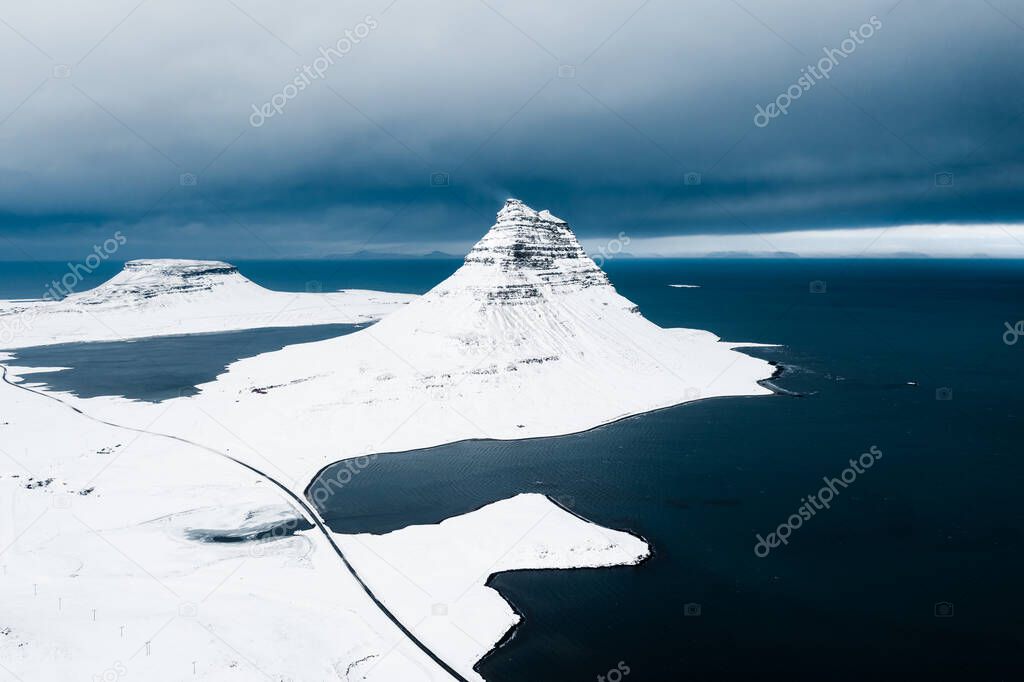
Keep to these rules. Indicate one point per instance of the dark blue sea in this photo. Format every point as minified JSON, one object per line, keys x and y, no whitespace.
{"x":914,"y":571}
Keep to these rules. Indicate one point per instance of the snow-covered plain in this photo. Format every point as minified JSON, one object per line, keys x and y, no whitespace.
{"x":527,"y":338}
{"x":97,"y":562}
{"x":435,"y":575}
{"x":106,"y":575}
{"x":164,"y":296}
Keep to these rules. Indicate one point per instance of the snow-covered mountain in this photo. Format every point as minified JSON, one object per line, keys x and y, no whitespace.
{"x":527,"y":338}
{"x":165,"y":296}
{"x":530,"y":307}
{"x":525,"y":255}
{"x":158,"y":281}
{"x":111,"y":538}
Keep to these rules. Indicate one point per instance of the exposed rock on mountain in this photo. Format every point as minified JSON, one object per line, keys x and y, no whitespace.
{"x":527,"y":338}
{"x":164,"y":296}
{"x":524,"y":253}
{"x":142,"y":280}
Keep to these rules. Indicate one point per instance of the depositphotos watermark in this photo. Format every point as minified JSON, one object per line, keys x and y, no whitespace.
{"x":65,"y":286}
{"x":610,"y":250}
{"x":73,"y":277}
{"x":615,"y":674}
{"x":311,"y":72}
{"x":113,"y":673}
{"x":287,"y":542}
{"x":813,"y":74}
{"x":815,"y":503}
{"x":1013,"y":332}
{"x":341,"y":477}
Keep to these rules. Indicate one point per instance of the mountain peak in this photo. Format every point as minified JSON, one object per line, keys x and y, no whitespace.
{"x":524,"y":257}
{"x":515,"y":210}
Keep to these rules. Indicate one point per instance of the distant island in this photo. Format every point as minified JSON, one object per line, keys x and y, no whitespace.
{"x":386,"y":255}
{"x":752,"y":254}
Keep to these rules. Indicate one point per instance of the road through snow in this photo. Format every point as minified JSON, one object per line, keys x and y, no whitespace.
{"x":308,"y":512}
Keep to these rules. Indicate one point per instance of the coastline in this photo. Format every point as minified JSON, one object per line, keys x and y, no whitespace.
{"x":512,"y":630}
{"x":778,"y":371}
{"x":311,"y":514}
{"x":429,"y":375}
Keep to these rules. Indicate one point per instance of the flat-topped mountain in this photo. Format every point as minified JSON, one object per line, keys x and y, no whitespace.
{"x":179,"y":267}
{"x":527,"y":338}
{"x":152,"y":278}
{"x":155,"y":297}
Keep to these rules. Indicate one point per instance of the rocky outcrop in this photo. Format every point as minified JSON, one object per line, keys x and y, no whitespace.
{"x":170,"y":267}
{"x":525,"y":255}
{"x":141,"y":280}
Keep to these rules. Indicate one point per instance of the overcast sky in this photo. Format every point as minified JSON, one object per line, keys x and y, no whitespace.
{"x":620,"y":116}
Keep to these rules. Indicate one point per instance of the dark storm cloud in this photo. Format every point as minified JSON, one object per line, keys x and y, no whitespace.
{"x":618,"y":115}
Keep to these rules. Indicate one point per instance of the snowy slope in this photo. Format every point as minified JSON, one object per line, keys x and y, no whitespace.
{"x":106,"y":574}
{"x":157,"y":297}
{"x":97,"y":533}
{"x":527,"y":338}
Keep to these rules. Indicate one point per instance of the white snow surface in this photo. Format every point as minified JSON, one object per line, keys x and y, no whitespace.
{"x":528,"y":338}
{"x":97,"y":561}
{"x":98,"y":533}
{"x":434,"y":580}
{"x":167,"y":296}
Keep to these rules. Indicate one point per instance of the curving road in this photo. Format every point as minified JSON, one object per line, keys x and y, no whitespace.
{"x":311,"y":515}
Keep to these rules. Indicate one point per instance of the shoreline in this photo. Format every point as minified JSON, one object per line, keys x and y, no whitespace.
{"x":511,"y":633}
{"x":304,"y":508}
{"x":779,"y":369}
{"x":597,"y":321}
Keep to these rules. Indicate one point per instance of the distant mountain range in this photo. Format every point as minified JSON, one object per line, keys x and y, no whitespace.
{"x":385,"y":255}
{"x":750,"y":254}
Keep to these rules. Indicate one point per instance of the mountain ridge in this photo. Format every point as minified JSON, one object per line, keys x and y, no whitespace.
{"x":527,"y":338}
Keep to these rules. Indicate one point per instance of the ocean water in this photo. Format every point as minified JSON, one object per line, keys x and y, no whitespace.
{"x":911,"y":357}
{"x":163,"y":368}
{"x":159,"y":368}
